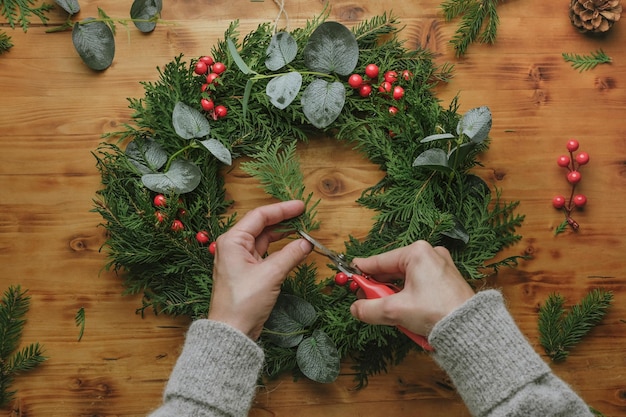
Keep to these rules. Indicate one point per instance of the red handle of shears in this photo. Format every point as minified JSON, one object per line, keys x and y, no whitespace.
{"x":374,"y":289}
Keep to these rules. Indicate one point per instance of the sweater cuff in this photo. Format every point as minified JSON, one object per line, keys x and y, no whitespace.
{"x":484,"y":352}
{"x":218,"y":369}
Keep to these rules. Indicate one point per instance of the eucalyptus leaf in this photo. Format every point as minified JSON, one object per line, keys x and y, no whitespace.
{"x":70,"y":6}
{"x":458,"y":232}
{"x":189,"y":122}
{"x":475,"y":124}
{"x":434,"y":158}
{"x":459,"y":154}
{"x":439,"y":136}
{"x":243,"y":67}
{"x":477,"y":186}
{"x":318,"y":358}
{"x":281,"y":51}
{"x":290,"y":316}
{"x":332,"y":47}
{"x":322,"y":102}
{"x":146,"y":11}
{"x":146,"y":155}
{"x":218,"y":150}
{"x":94,"y":42}
{"x":282,"y":90}
{"x":181,"y":178}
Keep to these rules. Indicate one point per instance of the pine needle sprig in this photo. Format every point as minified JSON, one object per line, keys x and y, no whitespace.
{"x":587,"y":62}
{"x":479,"y":22}
{"x":13,"y":307}
{"x":560,"y":330}
{"x":20,"y":12}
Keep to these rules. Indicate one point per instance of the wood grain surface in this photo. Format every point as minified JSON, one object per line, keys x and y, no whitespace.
{"x":54,"y":111}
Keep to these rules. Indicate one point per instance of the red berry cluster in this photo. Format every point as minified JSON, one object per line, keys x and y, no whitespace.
{"x":341,"y":278}
{"x":388,"y":85}
{"x":212,"y":71}
{"x":573,"y":164}
{"x":160,"y":201}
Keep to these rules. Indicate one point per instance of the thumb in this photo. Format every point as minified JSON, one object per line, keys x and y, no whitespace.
{"x":371,"y":311}
{"x":289,"y":256}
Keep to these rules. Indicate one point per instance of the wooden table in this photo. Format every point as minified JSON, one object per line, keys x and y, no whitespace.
{"x":54,"y":110}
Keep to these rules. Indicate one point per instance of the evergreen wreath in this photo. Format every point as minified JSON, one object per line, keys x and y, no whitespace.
{"x":163,"y":198}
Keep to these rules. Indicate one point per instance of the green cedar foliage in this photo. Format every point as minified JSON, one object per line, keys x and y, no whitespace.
{"x":479,"y":22}
{"x":174,"y":272}
{"x":13,"y":307}
{"x":587,"y":62}
{"x":560,"y":331}
{"x":19,"y":12}
{"x":5,"y":42}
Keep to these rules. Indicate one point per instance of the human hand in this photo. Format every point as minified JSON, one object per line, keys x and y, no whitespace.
{"x":433,"y":287}
{"x":246,"y":285}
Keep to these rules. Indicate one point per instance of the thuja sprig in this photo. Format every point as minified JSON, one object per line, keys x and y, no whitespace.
{"x":19,"y":12}
{"x":5,"y":42}
{"x":560,"y":331}
{"x":587,"y":62}
{"x":573,"y":164}
{"x":479,"y":22}
{"x":13,"y":307}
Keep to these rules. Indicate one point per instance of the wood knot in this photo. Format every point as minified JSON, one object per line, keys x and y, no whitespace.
{"x":540,"y":97}
{"x":330,"y":186}
{"x":605,"y":83}
{"x":78,"y":244}
{"x":352,"y":13}
{"x":429,"y":36}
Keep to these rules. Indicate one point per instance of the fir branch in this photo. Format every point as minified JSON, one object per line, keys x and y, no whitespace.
{"x":5,"y":42}
{"x":79,"y":318}
{"x":560,"y":331}
{"x":587,"y":62}
{"x":19,"y":12}
{"x":479,"y":22}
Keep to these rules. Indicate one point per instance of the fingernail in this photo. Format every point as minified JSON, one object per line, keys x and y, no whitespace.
{"x":306,"y":246}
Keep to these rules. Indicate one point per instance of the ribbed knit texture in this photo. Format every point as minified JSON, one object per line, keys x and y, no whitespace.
{"x":495,"y":370}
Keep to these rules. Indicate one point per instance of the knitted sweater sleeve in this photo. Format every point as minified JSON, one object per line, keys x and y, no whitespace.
{"x":215,"y":375}
{"x":494,"y":368}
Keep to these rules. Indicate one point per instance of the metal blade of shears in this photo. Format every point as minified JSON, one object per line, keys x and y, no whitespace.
{"x":338,"y":259}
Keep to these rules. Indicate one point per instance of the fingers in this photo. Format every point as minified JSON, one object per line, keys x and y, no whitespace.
{"x":374,"y":311}
{"x":284,"y":260}
{"x":256,"y":221}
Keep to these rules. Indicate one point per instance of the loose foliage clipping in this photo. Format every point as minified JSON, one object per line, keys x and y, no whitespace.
{"x":263,"y":96}
{"x":587,"y":62}
{"x":479,"y":22}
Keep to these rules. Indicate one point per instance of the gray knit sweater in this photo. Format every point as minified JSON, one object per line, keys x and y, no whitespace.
{"x":495,"y":370}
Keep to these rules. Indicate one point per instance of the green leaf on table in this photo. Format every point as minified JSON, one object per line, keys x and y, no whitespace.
{"x":332,"y":47}
{"x":290,"y":316}
{"x":475,"y":124}
{"x":232,"y":48}
{"x":79,"y":318}
{"x":318,"y":358}
{"x":70,"y":6}
{"x":434,"y":158}
{"x":146,"y":155}
{"x":282,"y":90}
{"x":181,"y":178}
{"x":94,"y":42}
{"x":144,"y":14}
{"x":188,"y":122}
{"x":322,"y":102}
{"x":281,"y":51}
{"x":218,"y":150}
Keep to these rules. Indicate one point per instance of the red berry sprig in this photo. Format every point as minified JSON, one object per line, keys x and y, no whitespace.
{"x":342,"y":279}
{"x":388,"y":86}
{"x":572,"y":163}
{"x":212,"y":72}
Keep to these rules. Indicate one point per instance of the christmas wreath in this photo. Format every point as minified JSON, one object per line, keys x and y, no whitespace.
{"x":255,"y":98}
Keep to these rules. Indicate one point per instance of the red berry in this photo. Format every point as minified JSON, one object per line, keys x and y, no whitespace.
{"x":563,"y":161}
{"x":182,"y":212}
{"x":393,"y":110}
{"x":406,"y":75}
{"x":220,"y":111}
{"x":580,"y":200}
{"x":398,"y":92}
{"x":177,"y":226}
{"x":207,"y":60}
{"x":371,"y":70}
{"x":201,"y":68}
{"x":341,"y":278}
{"x":572,"y":145}
{"x":159,"y":216}
{"x":218,"y":67}
{"x":204,"y":87}
{"x":391,"y":76}
{"x":385,"y":87}
{"x":558,"y":201}
{"x":355,"y":81}
{"x":582,"y":158}
{"x":160,"y":200}
{"x":212,"y":248}
{"x":365,"y":90}
{"x":354,"y":286}
{"x":202,"y":237}
{"x":573,"y":177}
{"x":212,"y":77}
{"x":207,"y":104}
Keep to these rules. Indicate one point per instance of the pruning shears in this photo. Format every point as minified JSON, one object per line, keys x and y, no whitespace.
{"x":371,"y":288}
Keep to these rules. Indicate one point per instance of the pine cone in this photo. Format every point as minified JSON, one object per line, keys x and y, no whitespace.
{"x":594,"y":16}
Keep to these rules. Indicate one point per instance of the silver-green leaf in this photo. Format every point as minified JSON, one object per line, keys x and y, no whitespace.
{"x":318,"y":358}
{"x":475,"y":124}
{"x":146,"y":155}
{"x":332,"y":47}
{"x":438,"y":136}
{"x":181,"y":178}
{"x":282,"y":90}
{"x":218,"y":150}
{"x":70,"y":6}
{"x":281,"y":51}
{"x":290,"y":316}
{"x":232,"y":48}
{"x":146,"y":11}
{"x":188,"y":122}
{"x":94,"y":42}
{"x":434,"y":158}
{"x":322,"y":102}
